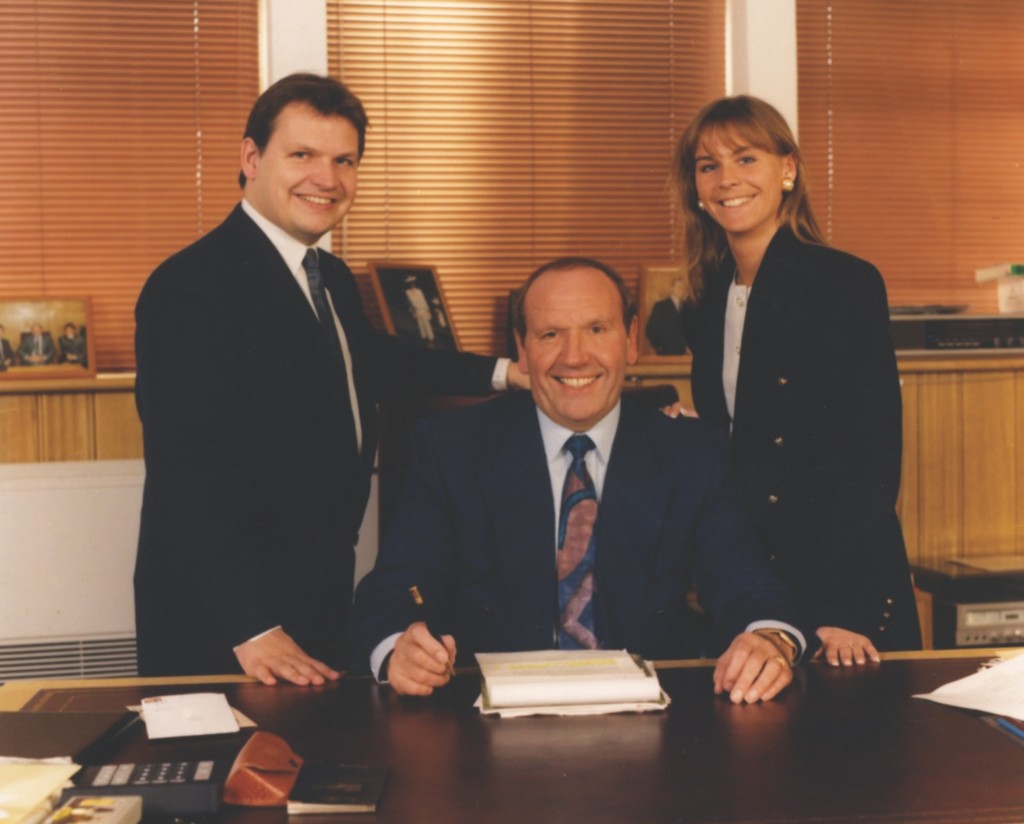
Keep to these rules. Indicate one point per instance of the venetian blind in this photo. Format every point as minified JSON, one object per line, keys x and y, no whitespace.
{"x":121,"y":126}
{"x":505,"y":133}
{"x":911,"y":115}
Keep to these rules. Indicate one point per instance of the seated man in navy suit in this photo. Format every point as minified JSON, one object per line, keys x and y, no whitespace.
{"x":477,"y":528}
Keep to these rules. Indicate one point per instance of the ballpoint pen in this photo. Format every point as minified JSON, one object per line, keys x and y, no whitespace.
{"x":417,"y":599}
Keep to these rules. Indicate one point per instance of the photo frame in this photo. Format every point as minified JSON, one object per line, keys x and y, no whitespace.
{"x":46,"y":337}
{"x":662,"y":326}
{"x":413,"y":305}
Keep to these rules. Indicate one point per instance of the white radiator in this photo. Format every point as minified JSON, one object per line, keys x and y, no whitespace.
{"x":67,"y":552}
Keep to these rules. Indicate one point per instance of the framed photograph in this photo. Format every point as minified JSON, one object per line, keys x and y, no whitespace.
{"x":413,"y":304}
{"x":46,"y":338}
{"x":664,"y":288}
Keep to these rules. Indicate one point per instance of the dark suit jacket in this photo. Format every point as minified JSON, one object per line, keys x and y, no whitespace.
{"x":254,"y":491}
{"x":817,"y":435}
{"x":475,"y":530}
{"x":666,"y":328}
{"x":6,"y":353}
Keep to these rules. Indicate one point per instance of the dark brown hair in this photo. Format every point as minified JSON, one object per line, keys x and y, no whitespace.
{"x":325,"y":95}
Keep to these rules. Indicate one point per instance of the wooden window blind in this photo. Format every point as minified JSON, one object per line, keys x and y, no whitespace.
{"x":122,"y":121}
{"x":911,"y":115}
{"x":505,"y":133}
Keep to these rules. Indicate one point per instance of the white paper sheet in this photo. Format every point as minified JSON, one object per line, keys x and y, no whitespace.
{"x":996,"y":689}
{"x":176,"y":716}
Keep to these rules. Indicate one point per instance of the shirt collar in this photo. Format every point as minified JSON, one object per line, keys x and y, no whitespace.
{"x":290,"y":249}
{"x":602,"y":434}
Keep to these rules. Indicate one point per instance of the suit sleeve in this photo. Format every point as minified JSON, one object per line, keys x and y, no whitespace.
{"x":417,"y":550}
{"x":200,"y":459}
{"x":857,"y":367}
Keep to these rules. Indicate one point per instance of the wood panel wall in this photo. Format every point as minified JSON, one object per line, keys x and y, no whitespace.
{"x":963,"y":458}
{"x":81,"y":419}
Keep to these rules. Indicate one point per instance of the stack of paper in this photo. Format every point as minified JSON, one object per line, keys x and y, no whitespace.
{"x":568,"y":682}
{"x":27,"y":791}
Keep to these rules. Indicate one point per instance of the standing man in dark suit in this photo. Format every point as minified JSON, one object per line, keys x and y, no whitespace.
{"x":476,"y":529}
{"x":258,"y":376}
{"x":666,"y":326}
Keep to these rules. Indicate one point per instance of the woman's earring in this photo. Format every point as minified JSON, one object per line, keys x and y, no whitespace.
{"x":787,"y":184}
{"x":700,"y":205}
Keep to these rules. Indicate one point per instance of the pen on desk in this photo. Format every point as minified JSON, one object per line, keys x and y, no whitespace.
{"x":417,"y":599}
{"x":1009,"y":727}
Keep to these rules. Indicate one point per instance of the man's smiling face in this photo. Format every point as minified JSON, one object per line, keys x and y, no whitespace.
{"x":576,"y":346}
{"x":306,"y":177}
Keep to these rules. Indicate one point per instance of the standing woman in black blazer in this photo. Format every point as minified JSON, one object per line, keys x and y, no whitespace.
{"x":791,"y":349}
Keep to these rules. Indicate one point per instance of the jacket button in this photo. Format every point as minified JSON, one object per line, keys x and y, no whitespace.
{"x":783,"y":380}
{"x":887,"y":615}
{"x":889,"y":601}
{"x":772,"y":558}
{"x":778,"y":441}
{"x":773,"y":499}
{"x":881,"y":629}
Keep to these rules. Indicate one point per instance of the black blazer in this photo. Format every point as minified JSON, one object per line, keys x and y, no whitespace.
{"x":254,"y":490}
{"x":817,"y":434}
{"x":475,"y":531}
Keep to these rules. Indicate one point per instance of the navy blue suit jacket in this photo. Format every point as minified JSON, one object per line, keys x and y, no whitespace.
{"x":254,"y":490}
{"x":817,"y":437}
{"x":475,"y":530}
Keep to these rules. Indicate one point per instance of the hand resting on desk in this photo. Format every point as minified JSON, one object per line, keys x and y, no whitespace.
{"x":419,"y":664}
{"x":275,"y":655}
{"x":752,"y":669}
{"x":841,"y":646}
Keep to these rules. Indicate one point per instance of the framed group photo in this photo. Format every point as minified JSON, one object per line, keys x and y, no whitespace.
{"x":46,"y":337}
{"x":664,"y":289}
{"x":413,"y":304}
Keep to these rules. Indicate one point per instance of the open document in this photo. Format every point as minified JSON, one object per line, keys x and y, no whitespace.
{"x":568,"y":682}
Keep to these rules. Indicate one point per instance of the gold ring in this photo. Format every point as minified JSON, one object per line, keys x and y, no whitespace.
{"x":782,"y":661}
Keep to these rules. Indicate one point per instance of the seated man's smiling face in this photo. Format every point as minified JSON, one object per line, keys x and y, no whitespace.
{"x":577,"y":347}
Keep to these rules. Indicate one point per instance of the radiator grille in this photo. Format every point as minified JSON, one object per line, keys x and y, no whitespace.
{"x":72,"y":658}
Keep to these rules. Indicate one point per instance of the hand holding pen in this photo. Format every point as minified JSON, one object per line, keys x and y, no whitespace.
{"x":417,"y":666}
{"x":417,"y":599}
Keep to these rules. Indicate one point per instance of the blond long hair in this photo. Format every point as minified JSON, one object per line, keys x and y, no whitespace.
{"x":758,"y":124}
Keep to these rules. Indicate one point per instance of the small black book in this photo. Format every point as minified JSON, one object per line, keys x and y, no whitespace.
{"x":81,"y":737}
{"x":326,"y":787}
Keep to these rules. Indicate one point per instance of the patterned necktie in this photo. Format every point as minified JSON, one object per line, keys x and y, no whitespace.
{"x":576,"y":551}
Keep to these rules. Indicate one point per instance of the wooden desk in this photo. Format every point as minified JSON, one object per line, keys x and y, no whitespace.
{"x":840,"y":745}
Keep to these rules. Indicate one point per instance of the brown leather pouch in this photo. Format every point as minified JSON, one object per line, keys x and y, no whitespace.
{"x":263,"y":773}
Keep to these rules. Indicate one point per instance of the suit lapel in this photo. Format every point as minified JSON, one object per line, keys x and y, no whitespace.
{"x":766,"y":322}
{"x":634,"y":500}
{"x":517,"y":492}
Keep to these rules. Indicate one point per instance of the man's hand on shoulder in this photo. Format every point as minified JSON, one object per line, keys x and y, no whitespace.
{"x":752,"y":669}
{"x":275,"y":655}
{"x":419,"y":664}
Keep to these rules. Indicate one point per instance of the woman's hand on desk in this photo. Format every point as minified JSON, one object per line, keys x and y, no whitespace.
{"x":840,"y":646}
{"x":275,"y":655}
{"x":419,"y":664}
